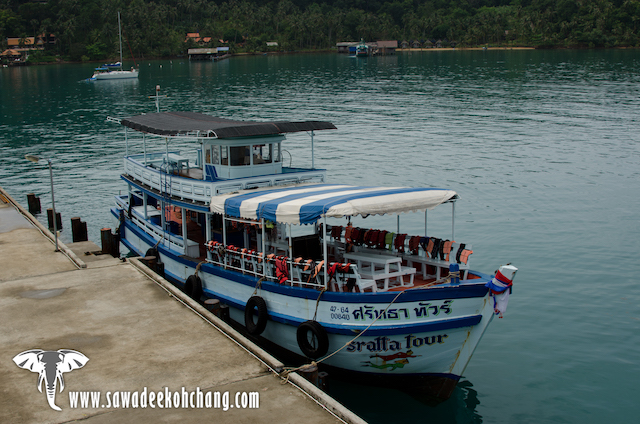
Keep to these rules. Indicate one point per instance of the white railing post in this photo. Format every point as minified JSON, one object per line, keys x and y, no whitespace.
{"x":264,"y":247}
{"x":326,"y":257}
{"x":290,"y":257}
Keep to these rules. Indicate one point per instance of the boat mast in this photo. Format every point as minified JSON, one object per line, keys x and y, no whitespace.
{"x":120,"y":35}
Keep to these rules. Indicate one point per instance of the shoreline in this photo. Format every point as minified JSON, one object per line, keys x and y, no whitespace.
{"x":398,"y":50}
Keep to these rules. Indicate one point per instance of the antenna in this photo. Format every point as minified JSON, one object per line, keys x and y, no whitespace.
{"x":157,"y":98}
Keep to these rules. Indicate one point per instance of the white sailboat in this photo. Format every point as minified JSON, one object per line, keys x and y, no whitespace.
{"x":107,"y":73}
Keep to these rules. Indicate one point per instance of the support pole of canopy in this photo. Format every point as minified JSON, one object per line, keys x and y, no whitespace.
{"x":398,"y":231}
{"x":290,"y":256}
{"x":324,"y":248}
{"x":264,"y":247}
{"x":163,"y":218}
{"x":144,"y":147}
{"x":208,"y":232}
{"x":453,"y":219}
{"x":185,"y":234}
{"x":313,"y":166}
{"x":126,"y":142}
{"x":166,"y":143}
{"x":224,"y":236}
{"x":425,"y":223}
{"x":144,"y":205}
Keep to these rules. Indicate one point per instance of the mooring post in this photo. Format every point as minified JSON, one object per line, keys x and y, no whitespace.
{"x":323,"y":381}
{"x":58,"y":225}
{"x":34,"y":203}
{"x":106,"y":239}
{"x":224,"y":313}
{"x":310,"y":372}
{"x":78,"y":230}
{"x":213,"y":306}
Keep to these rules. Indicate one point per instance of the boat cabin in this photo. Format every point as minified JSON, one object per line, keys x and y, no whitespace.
{"x":240,"y":158}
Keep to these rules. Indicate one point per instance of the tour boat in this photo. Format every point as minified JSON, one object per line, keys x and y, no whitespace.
{"x":289,"y":254}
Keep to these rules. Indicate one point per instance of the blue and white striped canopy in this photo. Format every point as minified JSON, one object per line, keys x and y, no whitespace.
{"x":305,"y":204}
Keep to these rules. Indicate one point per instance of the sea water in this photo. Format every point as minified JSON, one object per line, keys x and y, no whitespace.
{"x":541,"y":146}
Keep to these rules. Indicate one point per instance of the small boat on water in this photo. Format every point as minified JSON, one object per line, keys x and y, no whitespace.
{"x":362,"y":50}
{"x":109,"y":71}
{"x":279,"y":245}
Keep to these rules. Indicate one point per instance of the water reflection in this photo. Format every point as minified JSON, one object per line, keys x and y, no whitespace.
{"x":389,"y":405}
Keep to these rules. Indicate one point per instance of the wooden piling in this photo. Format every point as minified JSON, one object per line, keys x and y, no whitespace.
{"x":323,"y":381}
{"x":224,"y":313}
{"x":78,"y":230}
{"x":310,"y":373}
{"x":50,"y":219}
{"x":213,"y":305}
{"x":34,"y":204}
{"x":106,"y":239}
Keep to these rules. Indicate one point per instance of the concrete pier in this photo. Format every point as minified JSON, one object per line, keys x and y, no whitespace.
{"x":143,"y":338}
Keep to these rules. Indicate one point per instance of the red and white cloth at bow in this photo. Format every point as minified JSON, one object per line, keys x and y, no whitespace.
{"x":502,"y":281}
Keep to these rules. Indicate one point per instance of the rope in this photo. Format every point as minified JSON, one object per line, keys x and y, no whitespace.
{"x":258,"y":285}
{"x":198,"y":268}
{"x":285,"y":373}
{"x":324,"y":289}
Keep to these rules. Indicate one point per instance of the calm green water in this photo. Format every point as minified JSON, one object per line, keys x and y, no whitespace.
{"x":542,"y":147}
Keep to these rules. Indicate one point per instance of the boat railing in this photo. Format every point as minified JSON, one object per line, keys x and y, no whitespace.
{"x":169,"y":240}
{"x":295,"y":272}
{"x":434,"y":252}
{"x":149,"y":170}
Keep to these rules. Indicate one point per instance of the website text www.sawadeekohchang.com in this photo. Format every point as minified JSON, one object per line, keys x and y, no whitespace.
{"x":164,"y":399}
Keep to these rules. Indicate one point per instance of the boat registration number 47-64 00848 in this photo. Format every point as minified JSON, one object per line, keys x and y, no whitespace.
{"x":340,"y":312}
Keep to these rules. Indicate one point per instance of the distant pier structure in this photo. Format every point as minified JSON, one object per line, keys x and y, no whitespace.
{"x":209,"y":53}
{"x":376,"y":48}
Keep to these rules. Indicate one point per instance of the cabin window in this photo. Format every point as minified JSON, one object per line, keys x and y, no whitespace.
{"x":262,"y":153}
{"x":240,"y":155}
{"x":224,"y":155}
{"x":276,"y":153}
{"x":215,"y":155}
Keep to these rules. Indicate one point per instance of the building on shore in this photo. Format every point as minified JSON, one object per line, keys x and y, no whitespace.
{"x":376,"y":47}
{"x":209,"y":53}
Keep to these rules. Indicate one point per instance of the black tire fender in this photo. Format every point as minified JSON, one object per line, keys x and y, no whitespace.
{"x":193,"y":287}
{"x":318,"y":335}
{"x":256,"y":328}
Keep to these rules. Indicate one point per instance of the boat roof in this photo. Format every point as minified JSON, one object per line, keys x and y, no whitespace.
{"x":305,"y":204}
{"x":201,"y":125}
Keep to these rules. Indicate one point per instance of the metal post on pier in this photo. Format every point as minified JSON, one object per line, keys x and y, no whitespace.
{"x":35,"y":159}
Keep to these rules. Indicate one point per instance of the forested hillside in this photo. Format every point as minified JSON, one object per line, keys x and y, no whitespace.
{"x":87,"y":29}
